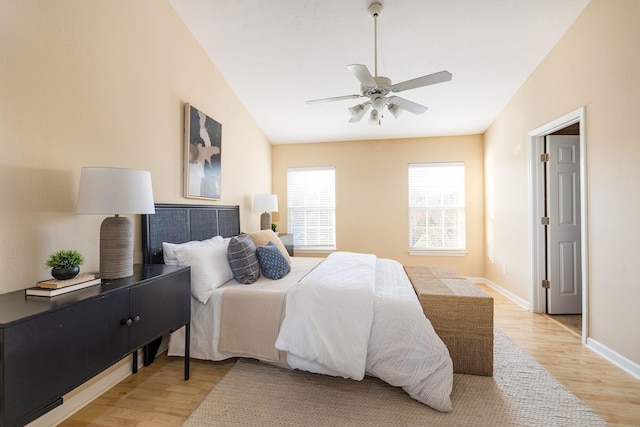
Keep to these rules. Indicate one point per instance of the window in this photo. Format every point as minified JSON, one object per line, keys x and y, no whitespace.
{"x":311,"y":208}
{"x":436,"y":207}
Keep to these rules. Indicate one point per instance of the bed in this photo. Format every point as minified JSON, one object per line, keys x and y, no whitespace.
{"x":347,"y":315}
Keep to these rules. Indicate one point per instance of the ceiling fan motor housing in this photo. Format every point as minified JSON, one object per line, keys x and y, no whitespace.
{"x":383,"y":87}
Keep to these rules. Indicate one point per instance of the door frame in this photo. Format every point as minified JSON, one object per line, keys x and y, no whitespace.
{"x":537,"y":294}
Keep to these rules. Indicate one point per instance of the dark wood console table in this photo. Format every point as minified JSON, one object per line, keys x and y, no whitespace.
{"x":49,"y":346}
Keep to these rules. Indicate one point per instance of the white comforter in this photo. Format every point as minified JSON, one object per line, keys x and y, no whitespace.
{"x":329,"y":315}
{"x":323,"y":332}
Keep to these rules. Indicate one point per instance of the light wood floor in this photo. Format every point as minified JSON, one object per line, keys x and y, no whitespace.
{"x":572,"y":322}
{"x":157,"y":395}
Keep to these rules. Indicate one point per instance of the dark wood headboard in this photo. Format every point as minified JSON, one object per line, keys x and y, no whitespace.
{"x":183,"y":223}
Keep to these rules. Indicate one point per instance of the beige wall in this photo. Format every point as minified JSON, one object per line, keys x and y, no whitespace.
{"x":372,"y":192}
{"x":102,"y":83}
{"x":595,"y":65}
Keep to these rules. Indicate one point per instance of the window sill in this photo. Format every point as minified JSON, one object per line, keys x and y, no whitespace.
{"x":437,"y":253}
{"x":316,"y":250}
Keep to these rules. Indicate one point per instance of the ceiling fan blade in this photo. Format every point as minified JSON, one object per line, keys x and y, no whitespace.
{"x":429,"y":79}
{"x":335,"y":98}
{"x":362,"y":73}
{"x":410,"y":106}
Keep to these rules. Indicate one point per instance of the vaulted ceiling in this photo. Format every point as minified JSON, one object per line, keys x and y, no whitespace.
{"x":277,"y":54}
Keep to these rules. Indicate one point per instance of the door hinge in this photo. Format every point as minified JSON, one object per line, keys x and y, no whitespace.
{"x":544,"y":220}
{"x":544,"y":157}
{"x":546,"y":284}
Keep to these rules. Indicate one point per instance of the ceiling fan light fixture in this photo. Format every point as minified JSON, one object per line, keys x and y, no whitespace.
{"x":378,"y":101}
{"x":374,"y":118}
{"x":395,"y":110}
{"x":358,"y":111}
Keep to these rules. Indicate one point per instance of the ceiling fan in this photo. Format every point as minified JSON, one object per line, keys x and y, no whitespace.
{"x":377,"y":88}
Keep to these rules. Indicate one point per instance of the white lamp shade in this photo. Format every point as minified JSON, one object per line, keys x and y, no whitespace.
{"x":374,"y":118}
{"x":107,"y":191}
{"x":265,"y":203}
{"x":358,"y":111}
{"x":395,"y":110}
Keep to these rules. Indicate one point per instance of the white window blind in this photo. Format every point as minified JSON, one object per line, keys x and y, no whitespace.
{"x":311,"y":207}
{"x":436,"y":207}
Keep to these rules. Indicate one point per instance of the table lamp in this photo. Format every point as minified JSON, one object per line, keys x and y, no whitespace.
{"x":115,"y":191}
{"x":265,"y":203}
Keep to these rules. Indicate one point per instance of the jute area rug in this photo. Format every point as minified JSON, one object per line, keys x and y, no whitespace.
{"x":521,"y":393}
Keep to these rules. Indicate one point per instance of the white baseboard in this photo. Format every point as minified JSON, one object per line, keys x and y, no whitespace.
{"x":513,"y":297}
{"x":611,"y":356}
{"x":617,"y":359}
{"x":88,"y":394}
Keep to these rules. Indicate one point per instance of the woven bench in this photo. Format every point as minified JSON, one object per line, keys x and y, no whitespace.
{"x":461,"y":314}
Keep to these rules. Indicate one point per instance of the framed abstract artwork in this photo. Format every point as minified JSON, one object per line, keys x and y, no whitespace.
{"x":202,"y":155}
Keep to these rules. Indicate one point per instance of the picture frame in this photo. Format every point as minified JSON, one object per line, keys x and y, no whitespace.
{"x":202,"y":155}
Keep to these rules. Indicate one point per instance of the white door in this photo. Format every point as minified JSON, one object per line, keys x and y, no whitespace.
{"x":564,"y":270}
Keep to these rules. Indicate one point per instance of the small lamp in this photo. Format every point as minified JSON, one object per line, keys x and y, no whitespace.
{"x":106,"y":191}
{"x":265,"y":203}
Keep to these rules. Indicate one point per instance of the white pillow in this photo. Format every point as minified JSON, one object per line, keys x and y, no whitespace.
{"x":209,"y":267}
{"x":169,"y":249}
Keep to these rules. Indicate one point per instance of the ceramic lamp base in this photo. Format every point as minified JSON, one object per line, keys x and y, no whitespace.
{"x":265,"y":221}
{"x":116,"y":248}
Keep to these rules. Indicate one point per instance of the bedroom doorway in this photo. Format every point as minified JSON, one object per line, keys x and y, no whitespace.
{"x":561,"y":165}
{"x":557,"y":191}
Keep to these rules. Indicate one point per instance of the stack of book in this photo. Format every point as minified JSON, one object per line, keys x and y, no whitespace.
{"x":53,"y":287}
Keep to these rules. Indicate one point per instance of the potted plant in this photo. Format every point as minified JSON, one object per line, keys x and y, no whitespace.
{"x":65,"y":264}
{"x":274,"y":227}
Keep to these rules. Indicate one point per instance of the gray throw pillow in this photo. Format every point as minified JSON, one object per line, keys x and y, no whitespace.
{"x":243,"y":261}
